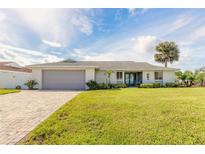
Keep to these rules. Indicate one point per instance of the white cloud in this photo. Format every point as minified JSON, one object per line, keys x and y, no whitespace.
{"x":144,"y":44}
{"x":137,"y":11}
{"x":198,"y":33}
{"x":2,"y":16}
{"x":132,"y":11}
{"x":181,"y":21}
{"x":83,"y":23}
{"x":58,"y":25}
{"x":24,"y":56}
{"x":138,"y":49}
{"x":52,"y":44}
{"x":83,"y":55}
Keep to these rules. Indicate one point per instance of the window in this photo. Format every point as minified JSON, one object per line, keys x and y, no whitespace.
{"x":119,"y":75}
{"x":158,"y":75}
{"x":147,"y":76}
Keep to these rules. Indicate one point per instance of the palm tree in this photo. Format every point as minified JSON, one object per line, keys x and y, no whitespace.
{"x":166,"y":52}
{"x":109,"y":73}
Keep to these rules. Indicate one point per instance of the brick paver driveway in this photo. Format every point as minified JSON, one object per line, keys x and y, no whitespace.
{"x":21,"y":112}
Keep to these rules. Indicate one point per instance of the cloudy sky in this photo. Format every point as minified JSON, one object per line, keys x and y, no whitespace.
{"x":29,"y":36}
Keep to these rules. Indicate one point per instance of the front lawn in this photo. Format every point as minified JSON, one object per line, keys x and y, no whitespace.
{"x":127,"y":116}
{"x":7,"y":91}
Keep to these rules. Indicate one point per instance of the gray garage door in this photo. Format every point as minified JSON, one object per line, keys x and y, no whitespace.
{"x":63,"y":80}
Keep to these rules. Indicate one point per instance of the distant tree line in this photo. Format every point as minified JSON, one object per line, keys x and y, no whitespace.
{"x":192,"y":78}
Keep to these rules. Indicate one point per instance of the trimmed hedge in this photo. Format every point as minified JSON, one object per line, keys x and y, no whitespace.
{"x":151,"y":85}
{"x":146,"y":85}
{"x":159,"y":85}
{"x":103,"y":86}
{"x":120,"y":85}
{"x":93,"y":85}
{"x":171,"y":84}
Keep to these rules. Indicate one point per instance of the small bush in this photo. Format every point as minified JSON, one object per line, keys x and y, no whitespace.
{"x":31,"y":84}
{"x":151,"y":85}
{"x":111,"y":86}
{"x":92,"y":85}
{"x":18,"y":87}
{"x":157,"y":85}
{"x":138,"y":85}
{"x":103,"y":86}
{"x":171,"y":84}
{"x":120,"y":85}
{"x":146,"y":85}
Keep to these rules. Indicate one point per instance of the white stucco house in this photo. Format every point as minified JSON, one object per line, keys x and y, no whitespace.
{"x":74,"y":74}
{"x":12,"y":75}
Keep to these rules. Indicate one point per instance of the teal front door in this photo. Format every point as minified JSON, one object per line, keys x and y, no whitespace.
{"x":130,"y":79}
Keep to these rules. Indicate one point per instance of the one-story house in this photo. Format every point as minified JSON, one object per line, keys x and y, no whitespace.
{"x":12,"y":75}
{"x":69,"y":75}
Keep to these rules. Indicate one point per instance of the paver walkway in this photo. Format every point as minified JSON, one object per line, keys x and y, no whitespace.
{"x":22,"y":112}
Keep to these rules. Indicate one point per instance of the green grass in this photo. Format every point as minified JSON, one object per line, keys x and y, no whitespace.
{"x":7,"y":91}
{"x":127,"y":116}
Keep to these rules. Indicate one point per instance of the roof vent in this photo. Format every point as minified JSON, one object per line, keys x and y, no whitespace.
{"x":69,"y":61}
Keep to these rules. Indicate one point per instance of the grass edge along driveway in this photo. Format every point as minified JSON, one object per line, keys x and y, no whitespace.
{"x":127,"y":116}
{"x":7,"y":91}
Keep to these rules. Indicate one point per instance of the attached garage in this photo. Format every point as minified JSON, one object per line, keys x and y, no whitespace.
{"x":63,"y":79}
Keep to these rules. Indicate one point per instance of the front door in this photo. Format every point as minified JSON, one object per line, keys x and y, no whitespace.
{"x":130,"y":79}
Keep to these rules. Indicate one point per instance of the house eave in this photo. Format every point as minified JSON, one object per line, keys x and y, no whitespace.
{"x":140,"y":70}
{"x":31,"y":67}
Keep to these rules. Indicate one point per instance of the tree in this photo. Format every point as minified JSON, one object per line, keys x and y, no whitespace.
{"x":189,"y":77}
{"x":179,"y":75}
{"x":166,"y":52}
{"x":200,"y":78}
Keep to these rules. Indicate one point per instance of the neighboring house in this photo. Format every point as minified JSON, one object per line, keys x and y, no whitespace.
{"x":74,"y":74}
{"x":11,"y":75}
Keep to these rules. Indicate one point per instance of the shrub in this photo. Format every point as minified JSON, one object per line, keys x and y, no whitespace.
{"x":120,"y":85}
{"x":171,"y":84}
{"x":157,"y":85}
{"x":111,"y":86}
{"x":103,"y":86}
{"x":146,"y":85}
{"x":18,"y":87}
{"x":31,"y":84}
{"x":151,"y":85}
{"x":138,"y":85}
{"x":92,"y":85}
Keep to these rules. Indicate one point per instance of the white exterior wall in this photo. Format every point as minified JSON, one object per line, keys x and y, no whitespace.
{"x":37,"y":75}
{"x":101,"y":77}
{"x":168,"y":76}
{"x":89,"y":75}
{"x":151,"y":77}
{"x":11,"y":79}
